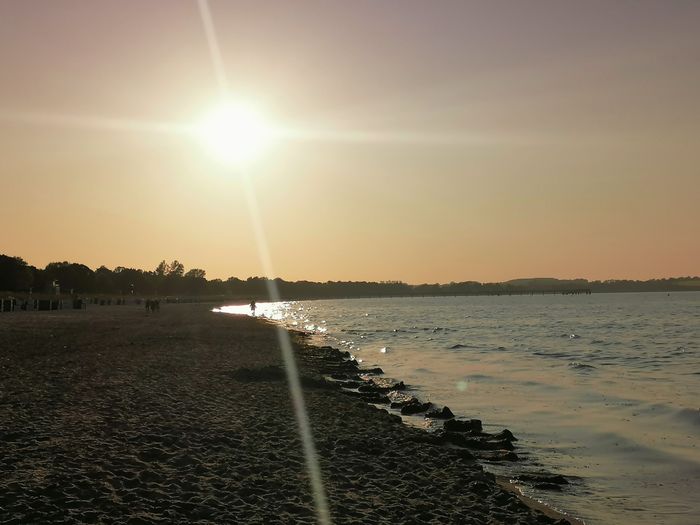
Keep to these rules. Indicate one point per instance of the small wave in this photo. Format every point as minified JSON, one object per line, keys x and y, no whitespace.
{"x":580,"y":366}
{"x":480,"y":377}
{"x":554,"y":354}
{"x":459,"y":345}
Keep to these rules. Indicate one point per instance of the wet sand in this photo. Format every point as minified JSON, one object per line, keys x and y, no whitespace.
{"x":112,"y":415}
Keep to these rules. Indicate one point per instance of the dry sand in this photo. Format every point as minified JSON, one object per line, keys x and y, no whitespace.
{"x":114,"y":416}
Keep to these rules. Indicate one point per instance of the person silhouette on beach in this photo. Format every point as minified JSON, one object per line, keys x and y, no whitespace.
{"x":252,"y":307}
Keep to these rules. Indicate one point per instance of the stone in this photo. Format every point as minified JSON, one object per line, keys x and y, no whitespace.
{"x":445,"y":413}
{"x":456,"y":425}
{"x":542,"y":477}
{"x":371,"y":386}
{"x":415,"y":407}
{"x":506,"y":435}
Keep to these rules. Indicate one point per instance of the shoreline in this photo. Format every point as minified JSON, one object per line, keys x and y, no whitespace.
{"x":449,"y":439}
{"x":125,"y":417}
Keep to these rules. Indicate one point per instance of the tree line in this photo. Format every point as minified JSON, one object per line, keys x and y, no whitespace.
{"x":171,"y":279}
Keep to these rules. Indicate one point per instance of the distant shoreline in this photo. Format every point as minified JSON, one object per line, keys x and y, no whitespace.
{"x":171,"y":280}
{"x":94,"y":300}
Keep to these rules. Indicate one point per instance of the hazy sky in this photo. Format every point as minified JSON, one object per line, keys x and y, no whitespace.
{"x":499,"y":139}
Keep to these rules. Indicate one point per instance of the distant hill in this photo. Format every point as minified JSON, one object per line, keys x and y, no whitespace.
{"x":546,"y":282}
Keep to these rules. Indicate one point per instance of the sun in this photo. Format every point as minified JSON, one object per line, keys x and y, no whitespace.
{"x":234,"y":132}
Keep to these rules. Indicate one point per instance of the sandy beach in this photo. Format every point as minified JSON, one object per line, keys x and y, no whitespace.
{"x":112,"y":415}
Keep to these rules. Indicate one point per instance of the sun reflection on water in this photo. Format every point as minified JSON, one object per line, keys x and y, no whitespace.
{"x":289,"y":313}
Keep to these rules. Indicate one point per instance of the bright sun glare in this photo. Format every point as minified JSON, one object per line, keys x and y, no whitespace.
{"x":236,"y":133}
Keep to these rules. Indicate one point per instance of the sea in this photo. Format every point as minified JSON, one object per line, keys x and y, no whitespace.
{"x":602,"y":388}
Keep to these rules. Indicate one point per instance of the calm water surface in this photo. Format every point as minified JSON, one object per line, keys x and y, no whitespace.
{"x":603,"y":388}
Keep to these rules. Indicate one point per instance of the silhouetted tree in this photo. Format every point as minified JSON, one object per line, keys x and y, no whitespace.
{"x":15,"y":274}
{"x":176,"y":269}
{"x":71,"y":276}
{"x":195,"y":273}
{"x":195,"y":282}
{"x":144,"y":283}
{"x":104,"y":280}
{"x":162,"y":269}
{"x":170,"y":278}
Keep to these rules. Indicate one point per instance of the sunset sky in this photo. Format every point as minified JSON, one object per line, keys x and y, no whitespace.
{"x":453,"y":140}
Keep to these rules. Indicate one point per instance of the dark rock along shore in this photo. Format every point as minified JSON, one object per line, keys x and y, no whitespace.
{"x":116,"y":416}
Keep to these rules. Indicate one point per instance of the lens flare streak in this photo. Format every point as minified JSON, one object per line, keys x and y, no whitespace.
{"x":384,"y":137}
{"x":312,"y":466}
{"x":93,"y":123}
